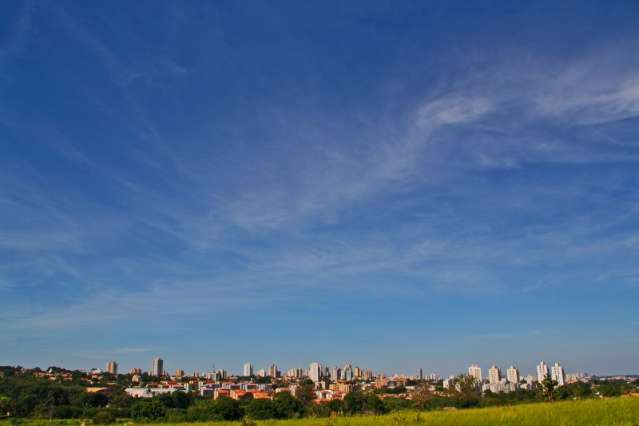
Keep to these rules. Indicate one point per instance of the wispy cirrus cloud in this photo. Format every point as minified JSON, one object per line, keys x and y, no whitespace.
{"x":598,"y":88}
{"x":429,"y":166}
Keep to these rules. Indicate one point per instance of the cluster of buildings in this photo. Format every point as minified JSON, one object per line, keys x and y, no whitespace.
{"x":496,"y":382}
{"x":316,"y":372}
{"x":329,"y":383}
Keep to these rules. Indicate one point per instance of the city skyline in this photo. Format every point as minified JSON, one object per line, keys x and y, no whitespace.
{"x":347,"y":371}
{"x":403,"y":184}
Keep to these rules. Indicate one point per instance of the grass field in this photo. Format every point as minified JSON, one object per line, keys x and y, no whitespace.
{"x":619,"y":411}
{"x":615,"y":411}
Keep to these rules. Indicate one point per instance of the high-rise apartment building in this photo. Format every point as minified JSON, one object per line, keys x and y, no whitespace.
{"x":296,"y":373}
{"x":248,"y":370}
{"x":221,"y":374}
{"x":368,"y":374}
{"x":336,"y":374}
{"x":475,"y":371}
{"x":157,"y":367}
{"x":494,"y":375}
{"x":558,"y":374}
{"x":512,"y":374}
{"x":347,"y":373}
{"x":542,"y":371}
{"x":272,"y":371}
{"x":314,"y":372}
{"x":112,"y":367}
{"x":358,"y":372}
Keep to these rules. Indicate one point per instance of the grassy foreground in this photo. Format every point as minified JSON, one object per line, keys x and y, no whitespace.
{"x":614,"y":411}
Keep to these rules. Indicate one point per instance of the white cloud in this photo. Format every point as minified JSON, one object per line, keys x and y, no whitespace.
{"x":456,"y":245}
{"x":452,"y":109}
{"x":578,"y":102}
{"x":599,"y":87}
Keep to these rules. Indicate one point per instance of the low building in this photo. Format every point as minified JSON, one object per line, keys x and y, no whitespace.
{"x":237,"y":393}
{"x":261,"y":395}
{"x":221,"y":392}
{"x":148,"y":392}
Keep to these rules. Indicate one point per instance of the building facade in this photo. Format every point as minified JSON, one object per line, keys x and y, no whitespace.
{"x":273,"y":371}
{"x":475,"y":371}
{"x":494,"y":374}
{"x":558,"y":374}
{"x":542,"y":371}
{"x":157,"y":367}
{"x":247,"y":370}
{"x":112,"y":367}
{"x":512,"y":374}
{"x":314,"y":372}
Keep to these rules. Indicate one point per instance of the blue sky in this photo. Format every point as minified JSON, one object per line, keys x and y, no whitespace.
{"x":393,"y":184}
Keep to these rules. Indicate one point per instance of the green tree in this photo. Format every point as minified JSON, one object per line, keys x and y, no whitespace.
{"x":7,"y":406}
{"x":148,"y":409}
{"x":245,"y":400}
{"x":547,"y":388}
{"x":180,"y":400}
{"x":465,"y":391}
{"x":286,"y":406}
{"x":260,"y":409}
{"x":398,"y":404}
{"x":580,"y":390}
{"x":227,"y":409}
{"x":202,"y":411}
{"x":95,"y":400}
{"x":354,"y":402}
{"x":422,"y":397}
{"x":306,"y":391}
{"x":103,"y":417}
{"x":375,"y":405}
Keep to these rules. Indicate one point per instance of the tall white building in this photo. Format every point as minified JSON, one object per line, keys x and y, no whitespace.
{"x":347,"y":373}
{"x":542,"y":371}
{"x":112,"y":367}
{"x":295,"y":373}
{"x":475,"y":371}
{"x":494,"y":374}
{"x":273,"y":371}
{"x":314,"y":372}
{"x":530,"y":380}
{"x":248,"y":370}
{"x":558,"y":374}
{"x":157,"y":367}
{"x":512,"y":374}
{"x":336,"y":374}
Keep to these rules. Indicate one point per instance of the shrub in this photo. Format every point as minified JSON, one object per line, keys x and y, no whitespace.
{"x":103,"y":417}
{"x":260,"y":409}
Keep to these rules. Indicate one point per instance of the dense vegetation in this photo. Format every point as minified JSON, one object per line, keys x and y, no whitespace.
{"x":27,"y":396}
{"x":613,"y":411}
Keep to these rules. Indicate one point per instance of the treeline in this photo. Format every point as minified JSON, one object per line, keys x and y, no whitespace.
{"x":38,"y":399}
{"x":465,"y":394}
{"x":30,"y":397}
